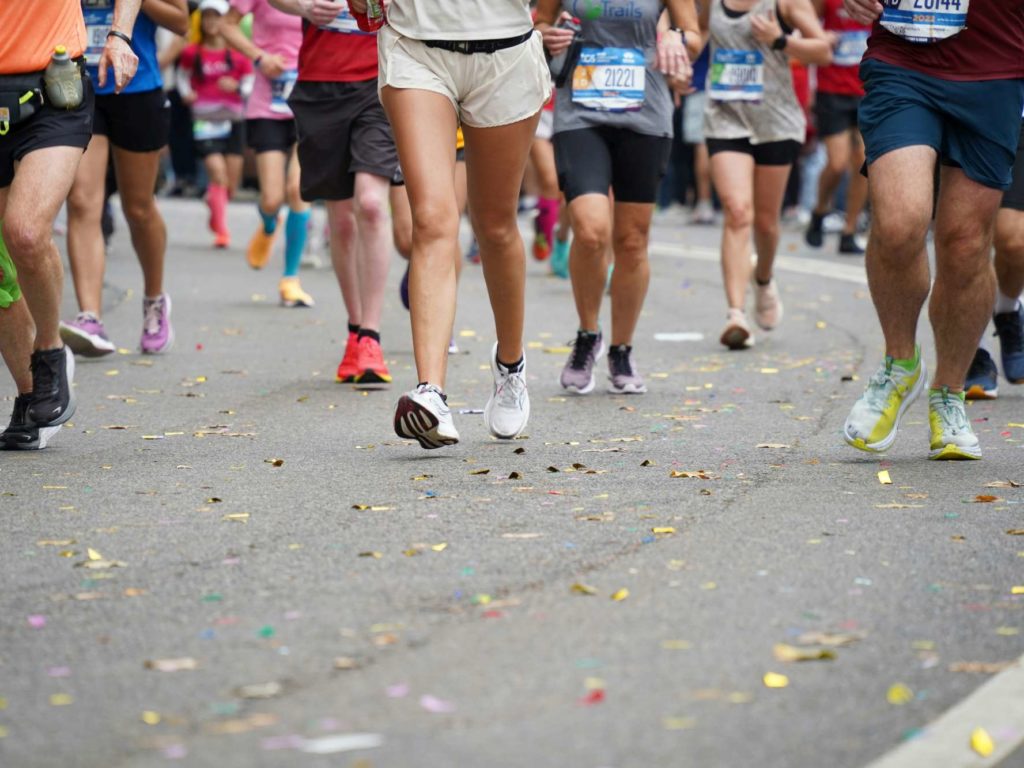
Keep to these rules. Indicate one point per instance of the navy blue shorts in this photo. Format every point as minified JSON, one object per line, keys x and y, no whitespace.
{"x":972,"y":125}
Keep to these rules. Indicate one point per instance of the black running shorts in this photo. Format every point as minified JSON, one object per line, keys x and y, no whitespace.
{"x":770,"y":153}
{"x":135,"y":122}
{"x":592,"y":160}
{"x":266,"y":135}
{"x":835,"y":113}
{"x":342,"y":131}
{"x":232,"y":144}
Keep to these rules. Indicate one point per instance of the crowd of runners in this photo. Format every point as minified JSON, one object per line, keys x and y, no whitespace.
{"x":401,"y":117}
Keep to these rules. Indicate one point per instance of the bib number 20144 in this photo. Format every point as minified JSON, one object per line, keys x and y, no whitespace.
{"x":925,"y":21}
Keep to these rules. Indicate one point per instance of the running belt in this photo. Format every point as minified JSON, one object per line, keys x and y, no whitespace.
{"x":479,"y":46}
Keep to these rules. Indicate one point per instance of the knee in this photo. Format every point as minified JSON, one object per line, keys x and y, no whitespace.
{"x":496,"y":234}
{"x":738,"y":214}
{"x":897,"y":236}
{"x":838,"y":164}
{"x":1010,"y":246}
{"x":81,"y":205}
{"x":271,"y":200}
{"x":432,"y":223}
{"x":965,"y":240}
{"x":591,"y":235}
{"x":370,"y":208}
{"x":139,"y":211}
{"x":403,"y":240}
{"x":27,"y":241}
{"x":766,"y":224}
{"x":630,"y":247}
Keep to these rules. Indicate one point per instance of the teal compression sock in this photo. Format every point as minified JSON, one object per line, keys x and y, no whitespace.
{"x":294,"y":240}
{"x":269,"y":221}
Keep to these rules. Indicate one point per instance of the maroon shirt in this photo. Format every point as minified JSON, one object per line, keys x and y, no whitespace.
{"x":991,"y":47}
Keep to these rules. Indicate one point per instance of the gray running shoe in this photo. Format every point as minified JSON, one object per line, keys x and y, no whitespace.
{"x":578,"y":374}
{"x":622,"y":372}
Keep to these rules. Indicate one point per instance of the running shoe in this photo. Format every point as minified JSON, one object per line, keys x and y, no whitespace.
{"x":578,"y":373}
{"x":157,"y":331}
{"x":373,"y":371}
{"x":453,"y":347}
{"x":348,"y":368}
{"x":292,"y":294}
{"x":508,"y":409}
{"x":767,"y":305}
{"x":423,"y":415}
{"x":473,"y":252}
{"x":541,"y":247}
{"x":815,"y":234}
{"x":736,"y":334}
{"x":703,"y":214}
{"x":952,"y":436}
{"x":560,"y":259}
{"x":258,"y":252}
{"x":982,"y":377}
{"x":1010,"y":330}
{"x":86,"y":336}
{"x":622,"y":374}
{"x":52,"y":401}
{"x":21,"y":434}
{"x":875,"y":417}
{"x":848,"y":246}
{"x":221,"y":240}
{"x":403,"y":288}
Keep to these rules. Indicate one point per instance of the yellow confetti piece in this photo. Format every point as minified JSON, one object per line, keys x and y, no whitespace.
{"x":3,"y":703}
{"x":663,"y":531}
{"x":594,"y":684}
{"x":784,"y":652}
{"x":582,"y":589}
{"x":237,"y":517}
{"x":769,"y":370}
{"x":620,"y":595}
{"x":93,"y":554}
{"x":883,"y":477}
{"x":775,"y":680}
{"x":709,"y":585}
{"x":114,"y":372}
{"x":150,"y":718}
{"x":899,"y":694}
{"x":1008,"y":631}
{"x":60,"y":699}
{"x":981,"y":742}
{"x":676,"y":645}
{"x":1017,"y":591}
{"x":440,"y":547}
{"x":678,"y":723}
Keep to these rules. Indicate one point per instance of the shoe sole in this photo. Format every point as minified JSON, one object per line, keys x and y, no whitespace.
{"x":372,"y":380}
{"x":886,"y":442}
{"x":629,"y":389}
{"x":953,"y":452}
{"x":85,"y":344}
{"x":737,"y":338}
{"x":978,"y":392}
{"x":45,"y":434}
{"x":297,"y":304}
{"x":344,"y":379}
{"x":488,"y":409}
{"x":414,"y":422}
{"x":574,"y":390}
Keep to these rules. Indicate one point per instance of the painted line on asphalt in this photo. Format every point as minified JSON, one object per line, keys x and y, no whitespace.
{"x":814,"y":267}
{"x":997,"y":706}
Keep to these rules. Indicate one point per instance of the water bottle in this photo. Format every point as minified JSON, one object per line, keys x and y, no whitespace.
{"x":373,"y":19}
{"x":563,"y":64}
{"x":63,"y":79}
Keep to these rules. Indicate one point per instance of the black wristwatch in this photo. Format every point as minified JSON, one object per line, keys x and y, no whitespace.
{"x":779,"y":44}
{"x":682,"y":33}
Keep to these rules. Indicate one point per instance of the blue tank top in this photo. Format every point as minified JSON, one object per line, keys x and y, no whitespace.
{"x":99,"y":16}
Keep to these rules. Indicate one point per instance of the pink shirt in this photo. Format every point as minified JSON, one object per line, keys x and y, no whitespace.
{"x":276,"y":33}
{"x":204,"y":68}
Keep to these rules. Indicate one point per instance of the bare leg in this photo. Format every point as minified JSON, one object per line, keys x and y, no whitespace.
{"x":424,"y":124}
{"x":733,"y":176}
{"x":588,"y":257}
{"x":292,"y":187}
{"x":837,"y":147}
{"x":702,"y":173}
{"x":342,"y":222}
{"x":857,"y":189}
{"x":16,"y":334}
{"x":270,"y":168}
{"x":493,"y":182}
{"x":136,"y":181}
{"x":235,"y":165}
{"x":374,"y":251}
{"x":1009,"y":242}
{"x":632,"y":269}
{"x":769,"y":191}
{"x":401,"y":221}
{"x":964,"y":290}
{"x":86,"y":251}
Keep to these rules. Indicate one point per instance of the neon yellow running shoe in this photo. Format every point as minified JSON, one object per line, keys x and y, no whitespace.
{"x":875,"y":418}
{"x":953,"y":439}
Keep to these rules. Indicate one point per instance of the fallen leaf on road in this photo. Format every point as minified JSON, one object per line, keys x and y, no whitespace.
{"x":772,"y":445}
{"x":259,"y":690}
{"x":647,"y":463}
{"x":515,"y":476}
{"x":985,"y":499}
{"x":784,"y":652}
{"x":172,"y":665}
{"x":100,"y":565}
{"x":374,"y":555}
{"x":620,"y":595}
{"x":1015,"y":532}
{"x":480,"y":472}
{"x":274,"y":462}
{"x":236,"y":517}
{"x":981,"y":742}
{"x":582,"y":589}
{"x":700,"y":474}
{"x":346,"y":663}
{"x":898,"y":505}
{"x":1003,"y":484}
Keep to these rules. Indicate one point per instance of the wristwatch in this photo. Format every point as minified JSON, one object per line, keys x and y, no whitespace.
{"x":779,"y":44}
{"x":682,"y":33}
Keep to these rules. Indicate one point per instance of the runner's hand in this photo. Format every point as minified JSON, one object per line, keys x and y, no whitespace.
{"x":117,"y":54}
{"x":323,"y":12}
{"x":766,"y":27}
{"x":272,"y":65}
{"x":863,"y":11}
{"x":557,"y":39}
{"x":673,"y":59}
{"x":227,"y":84}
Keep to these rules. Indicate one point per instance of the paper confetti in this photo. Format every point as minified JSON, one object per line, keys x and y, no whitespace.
{"x":981,"y":742}
{"x":775,"y":680}
{"x":883,"y":477}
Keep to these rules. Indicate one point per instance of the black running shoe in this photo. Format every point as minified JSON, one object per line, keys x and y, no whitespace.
{"x":982,"y":381}
{"x":815,"y":234}
{"x":21,"y":434}
{"x":52,"y":400}
{"x":848,"y":246}
{"x":1010,"y":329}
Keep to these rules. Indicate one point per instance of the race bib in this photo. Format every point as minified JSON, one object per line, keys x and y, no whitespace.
{"x":736,"y":75}
{"x":851,"y":49}
{"x":925,"y":21}
{"x":208,"y":130}
{"x":610,"y":79}
{"x":280,"y":90}
{"x":98,"y":22}
{"x":345,"y":23}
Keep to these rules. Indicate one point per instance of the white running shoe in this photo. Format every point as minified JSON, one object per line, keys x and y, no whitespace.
{"x":767,"y":305}
{"x":508,"y":410}
{"x":423,"y":415}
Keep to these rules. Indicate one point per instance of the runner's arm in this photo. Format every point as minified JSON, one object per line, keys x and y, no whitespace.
{"x":704,"y":20}
{"x":117,"y":54}
{"x":171,"y":51}
{"x":863,"y":11}
{"x":314,"y":11}
{"x":811,"y":46}
{"x":235,"y":37}
{"x":684,"y":16}
{"x":169,"y":14}
{"x":556,"y":40}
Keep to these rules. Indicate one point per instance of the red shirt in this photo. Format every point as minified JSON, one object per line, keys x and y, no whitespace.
{"x":990,"y":48}
{"x":337,"y":54}
{"x":842,"y":75}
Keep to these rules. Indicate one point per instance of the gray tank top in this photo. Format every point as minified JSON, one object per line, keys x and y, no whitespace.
{"x":749,"y":86}
{"x":616,"y":82}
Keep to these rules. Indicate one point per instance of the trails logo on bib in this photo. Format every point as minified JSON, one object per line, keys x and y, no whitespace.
{"x":592,"y":10}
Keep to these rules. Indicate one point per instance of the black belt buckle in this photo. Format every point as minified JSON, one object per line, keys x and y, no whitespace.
{"x":463,"y":46}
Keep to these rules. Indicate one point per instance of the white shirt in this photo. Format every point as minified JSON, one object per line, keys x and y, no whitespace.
{"x":460,"y":19}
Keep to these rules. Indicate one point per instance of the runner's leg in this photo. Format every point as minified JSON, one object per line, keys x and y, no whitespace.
{"x":733,"y":174}
{"x":769,"y":190}
{"x":857,"y":189}
{"x":136,"y":181}
{"x":632,"y":273}
{"x":86,"y":251}
{"x":588,"y":256}
{"x":1009,"y":261}
{"x":374,"y":248}
{"x":342,"y":223}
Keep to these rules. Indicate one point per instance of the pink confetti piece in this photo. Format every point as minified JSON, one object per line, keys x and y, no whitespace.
{"x":397,"y":691}
{"x":436,"y":705}
{"x":289,"y":741}
{"x":175,"y":751}
{"x":59,"y":671}
{"x":36,"y":621}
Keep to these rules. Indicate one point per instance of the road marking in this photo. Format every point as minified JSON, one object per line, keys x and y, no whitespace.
{"x":997,"y":706}
{"x":798,"y":264}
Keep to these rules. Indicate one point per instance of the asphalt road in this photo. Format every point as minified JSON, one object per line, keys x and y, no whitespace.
{"x":427,"y":600}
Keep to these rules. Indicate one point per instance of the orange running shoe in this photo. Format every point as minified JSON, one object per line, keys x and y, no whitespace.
{"x":373,"y":372}
{"x":541,"y":247}
{"x":260,"y":245}
{"x":292,"y":294}
{"x":222,"y":240}
{"x":348,"y":368}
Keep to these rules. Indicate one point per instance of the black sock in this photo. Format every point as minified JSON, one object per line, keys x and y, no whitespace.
{"x":364,"y":332}
{"x":515,"y":367}
{"x":763,"y":283}
{"x":353,"y":328}
{"x":620,"y":349}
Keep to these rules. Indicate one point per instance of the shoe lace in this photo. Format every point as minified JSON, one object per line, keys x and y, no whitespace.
{"x":152,"y":312}
{"x":950,"y":410}
{"x":511,"y":389}
{"x":619,"y":362}
{"x":880,"y":386}
{"x":86,"y":317}
{"x":582,"y":350}
{"x":44,"y":374}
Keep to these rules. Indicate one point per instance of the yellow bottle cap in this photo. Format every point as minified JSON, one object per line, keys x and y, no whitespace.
{"x":60,"y":50}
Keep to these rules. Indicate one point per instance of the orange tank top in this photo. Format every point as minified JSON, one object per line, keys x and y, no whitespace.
{"x":33,"y":28}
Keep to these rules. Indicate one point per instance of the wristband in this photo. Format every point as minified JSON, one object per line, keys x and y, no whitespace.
{"x":120,"y":36}
{"x":780,"y":43}
{"x":682,"y":33}
{"x":257,"y":60}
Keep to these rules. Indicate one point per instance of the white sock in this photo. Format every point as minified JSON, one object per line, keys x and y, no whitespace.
{"x":1005,"y":303}
{"x":985,"y":343}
